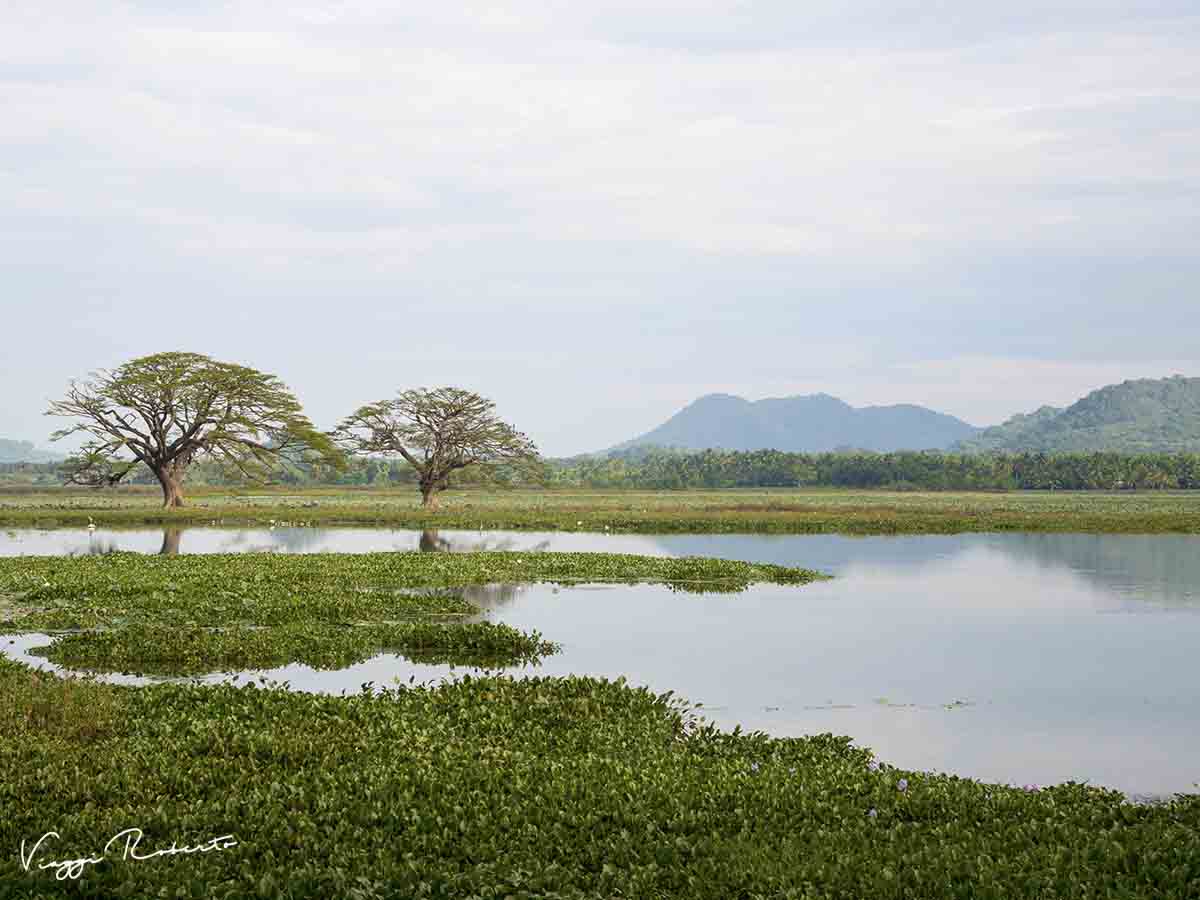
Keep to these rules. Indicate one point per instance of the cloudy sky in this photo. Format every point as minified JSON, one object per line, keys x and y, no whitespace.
{"x":595,"y":212}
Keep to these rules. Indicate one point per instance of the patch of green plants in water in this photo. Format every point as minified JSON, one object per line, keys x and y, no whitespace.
{"x":197,"y":614}
{"x":535,"y":788}
{"x":166,"y":650}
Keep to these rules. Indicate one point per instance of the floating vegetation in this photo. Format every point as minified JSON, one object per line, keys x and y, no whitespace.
{"x":531,"y":788}
{"x":164,"y":650}
{"x":199,"y":614}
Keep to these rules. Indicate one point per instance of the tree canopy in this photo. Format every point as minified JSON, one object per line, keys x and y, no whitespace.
{"x":168,"y":410}
{"x":437,"y":431}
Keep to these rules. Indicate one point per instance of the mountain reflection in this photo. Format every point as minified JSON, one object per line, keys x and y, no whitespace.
{"x":1160,"y":569}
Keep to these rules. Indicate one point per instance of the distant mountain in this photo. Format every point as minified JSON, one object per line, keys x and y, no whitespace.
{"x":808,"y":424}
{"x":24,"y":451}
{"x":1144,"y":416}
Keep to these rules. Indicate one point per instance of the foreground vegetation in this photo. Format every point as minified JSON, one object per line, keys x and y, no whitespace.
{"x":197,"y":614}
{"x":527,"y":789}
{"x":484,"y":787}
{"x":774,"y":511}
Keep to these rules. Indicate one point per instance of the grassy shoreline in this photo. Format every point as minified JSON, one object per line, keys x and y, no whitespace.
{"x":661,"y":512}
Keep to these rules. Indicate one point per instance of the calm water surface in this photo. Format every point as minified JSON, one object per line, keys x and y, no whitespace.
{"x":1015,"y":658}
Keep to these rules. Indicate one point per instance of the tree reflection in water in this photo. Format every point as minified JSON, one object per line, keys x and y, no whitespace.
{"x":297,"y":540}
{"x":170,"y":541}
{"x":433,"y":542}
{"x":484,"y":596}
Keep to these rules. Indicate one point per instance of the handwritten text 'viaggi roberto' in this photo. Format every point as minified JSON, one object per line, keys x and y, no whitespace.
{"x":127,"y":842}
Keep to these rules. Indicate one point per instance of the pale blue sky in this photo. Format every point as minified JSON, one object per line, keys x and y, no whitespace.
{"x":594,"y":213}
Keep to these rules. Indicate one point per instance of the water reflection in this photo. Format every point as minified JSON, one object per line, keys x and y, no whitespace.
{"x":493,"y":597}
{"x":1163,"y":569}
{"x":95,"y":546}
{"x":1136,"y":571}
{"x":170,"y":541}
{"x":938,"y":674}
{"x":434,"y":540}
{"x":488,"y":597}
{"x":431,"y":542}
{"x":1073,"y":655}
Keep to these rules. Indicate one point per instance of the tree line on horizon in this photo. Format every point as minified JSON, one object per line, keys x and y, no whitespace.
{"x":663,"y":469}
{"x":667,"y":469}
{"x":169,"y":417}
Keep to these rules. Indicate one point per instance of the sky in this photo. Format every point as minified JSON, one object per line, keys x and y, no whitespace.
{"x":595,"y":213}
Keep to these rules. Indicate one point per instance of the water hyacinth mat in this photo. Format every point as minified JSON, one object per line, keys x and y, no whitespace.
{"x":486,"y":787}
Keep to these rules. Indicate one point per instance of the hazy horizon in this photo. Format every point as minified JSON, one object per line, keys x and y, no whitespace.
{"x":47,"y":445}
{"x":595,"y":215}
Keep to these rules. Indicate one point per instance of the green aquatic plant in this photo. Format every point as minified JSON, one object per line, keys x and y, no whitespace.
{"x":273,"y":589}
{"x":532,"y":788}
{"x":166,"y":650}
{"x":197,"y":614}
{"x":479,"y":787}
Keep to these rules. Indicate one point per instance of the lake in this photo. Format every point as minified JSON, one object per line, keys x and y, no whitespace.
{"x":1019,"y":658}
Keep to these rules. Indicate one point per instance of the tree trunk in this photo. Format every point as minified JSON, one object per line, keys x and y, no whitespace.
{"x":429,"y":499}
{"x":170,"y":544}
{"x":431,"y":543}
{"x":172,"y":488}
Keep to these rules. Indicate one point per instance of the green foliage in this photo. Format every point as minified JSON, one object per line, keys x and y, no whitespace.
{"x":482,"y":787}
{"x":274,"y":589}
{"x":539,"y":788}
{"x":660,"y":469}
{"x":437,"y":432}
{"x":164,"y":411}
{"x":169,"y":650}
{"x":675,"y":470}
{"x":193,"y":614}
{"x":1135,"y":417}
{"x":774,"y":511}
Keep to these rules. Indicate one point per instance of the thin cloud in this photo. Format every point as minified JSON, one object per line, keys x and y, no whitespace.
{"x":546,"y":201}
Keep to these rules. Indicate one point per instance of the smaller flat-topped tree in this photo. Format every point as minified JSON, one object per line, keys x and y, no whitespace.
{"x":437,"y":431}
{"x":167,"y":410}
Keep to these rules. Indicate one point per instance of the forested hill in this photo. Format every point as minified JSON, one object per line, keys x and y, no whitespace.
{"x":1145,"y":416}
{"x":23,"y":451}
{"x":805,"y":424}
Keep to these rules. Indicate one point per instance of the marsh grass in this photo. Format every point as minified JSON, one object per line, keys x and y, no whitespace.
{"x":780,"y":511}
